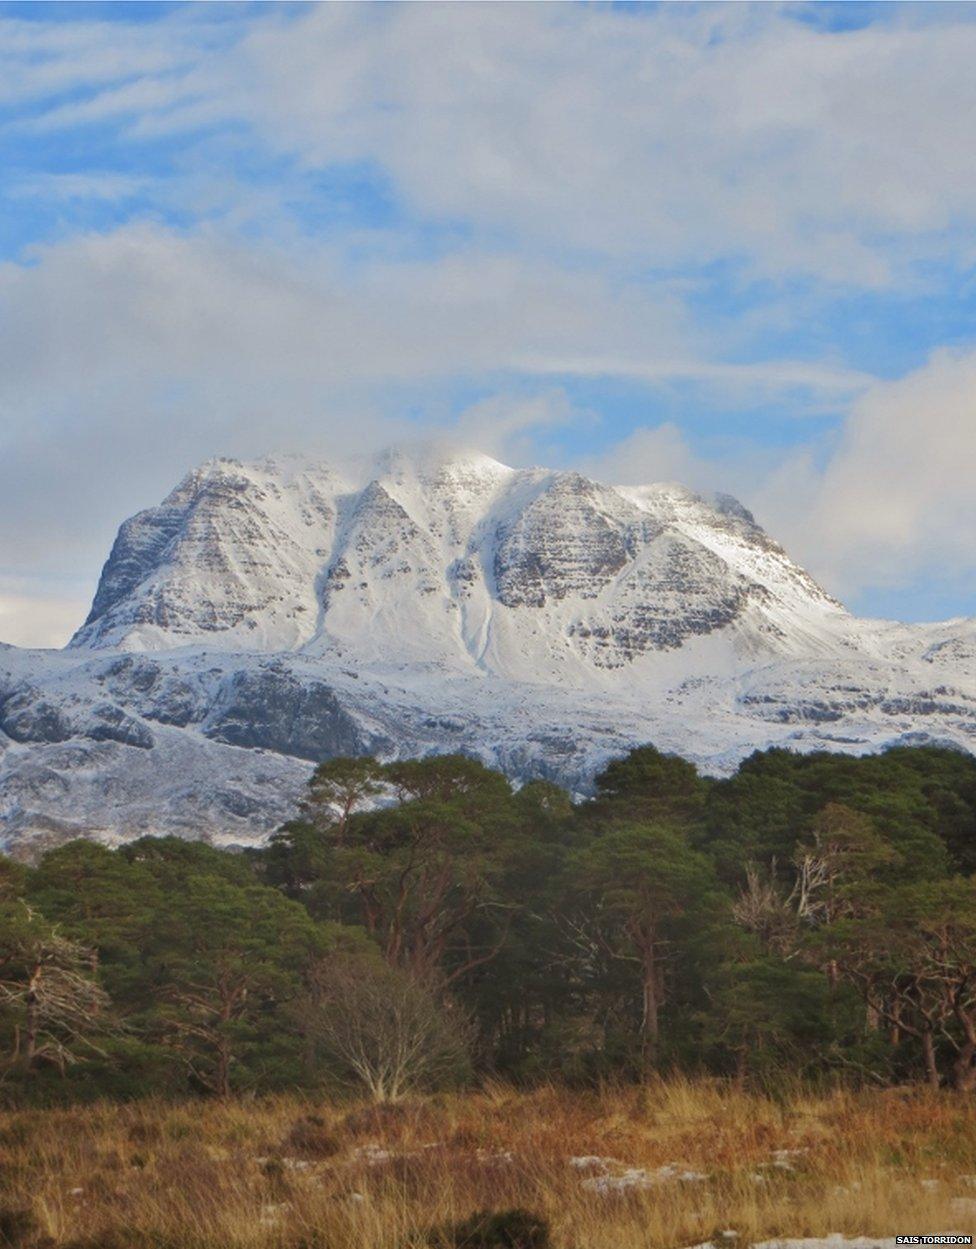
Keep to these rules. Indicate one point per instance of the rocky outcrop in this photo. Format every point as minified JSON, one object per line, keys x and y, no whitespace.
{"x":27,"y":716}
{"x":567,"y":541}
{"x":271,"y":709}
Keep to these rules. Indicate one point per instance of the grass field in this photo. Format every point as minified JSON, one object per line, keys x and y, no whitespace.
{"x":617,"y":1169}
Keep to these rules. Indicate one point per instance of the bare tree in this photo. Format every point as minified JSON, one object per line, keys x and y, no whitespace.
{"x":48,"y":986}
{"x":383,"y":1029}
{"x":762,"y":908}
{"x":832,"y":874}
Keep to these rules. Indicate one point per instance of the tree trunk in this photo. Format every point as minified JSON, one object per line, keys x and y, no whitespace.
{"x":32,"y":1027}
{"x":964,"y":1073}
{"x":894,"y":1036}
{"x":928,"y":1052}
{"x":963,"y":1069}
{"x":650,"y":1022}
{"x":222,"y":1073}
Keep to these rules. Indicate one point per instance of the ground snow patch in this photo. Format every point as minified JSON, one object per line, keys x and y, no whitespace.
{"x":614,"y":1177}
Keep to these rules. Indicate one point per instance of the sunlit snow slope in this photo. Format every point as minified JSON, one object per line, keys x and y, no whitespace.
{"x":270,"y":614}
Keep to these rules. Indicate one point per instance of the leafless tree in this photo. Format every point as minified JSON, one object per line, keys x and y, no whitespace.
{"x":764,"y":909}
{"x":48,"y":986}
{"x":383,"y":1029}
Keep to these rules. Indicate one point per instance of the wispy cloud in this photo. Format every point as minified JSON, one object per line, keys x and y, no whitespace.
{"x":64,"y":187}
{"x":768,"y":375}
{"x":684,"y":132}
{"x":231,"y":227}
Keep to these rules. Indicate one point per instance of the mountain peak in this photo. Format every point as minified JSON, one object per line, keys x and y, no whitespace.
{"x":431,"y":459}
{"x":729,"y":505}
{"x":483,"y":564}
{"x":432,"y":599}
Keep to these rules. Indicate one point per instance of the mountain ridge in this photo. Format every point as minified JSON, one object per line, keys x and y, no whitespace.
{"x":527,"y":537}
{"x":271,"y":612}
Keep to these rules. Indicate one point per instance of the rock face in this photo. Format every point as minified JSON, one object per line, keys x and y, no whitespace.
{"x":230,"y":551}
{"x":268,"y":615}
{"x":273,"y":710}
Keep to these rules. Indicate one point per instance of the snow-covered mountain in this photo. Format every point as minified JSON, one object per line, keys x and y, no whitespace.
{"x":270,"y":614}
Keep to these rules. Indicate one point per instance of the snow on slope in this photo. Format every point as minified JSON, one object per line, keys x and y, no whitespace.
{"x":460,"y":561}
{"x":234,"y":550}
{"x":266,"y":615}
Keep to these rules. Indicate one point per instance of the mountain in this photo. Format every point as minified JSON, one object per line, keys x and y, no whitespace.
{"x":270,"y":614}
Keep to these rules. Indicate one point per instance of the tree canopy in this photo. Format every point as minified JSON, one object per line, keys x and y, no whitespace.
{"x":810,"y":914}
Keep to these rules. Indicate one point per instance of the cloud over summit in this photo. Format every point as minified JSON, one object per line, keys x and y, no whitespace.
{"x":733,"y":241}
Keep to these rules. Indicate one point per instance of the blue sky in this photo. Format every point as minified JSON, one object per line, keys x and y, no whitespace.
{"x":728,"y":244}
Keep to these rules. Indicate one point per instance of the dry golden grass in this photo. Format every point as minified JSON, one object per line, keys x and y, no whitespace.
{"x":285,"y":1173}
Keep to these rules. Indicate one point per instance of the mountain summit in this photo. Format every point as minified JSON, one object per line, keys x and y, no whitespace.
{"x":269,"y":614}
{"x":459,"y":561}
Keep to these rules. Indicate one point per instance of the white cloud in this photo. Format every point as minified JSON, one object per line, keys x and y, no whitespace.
{"x":128,"y":357}
{"x":651,"y":454}
{"x":594,"y":161}
{"x":144,"y":310}
{"x":895,"y":501}
{"x":764,"y":377}
{"x":675,"y":135}
{"x":502,"y":423}
{"x":62,"y":187}
{"x":47,"y":68}
{"x":886,"y":503}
